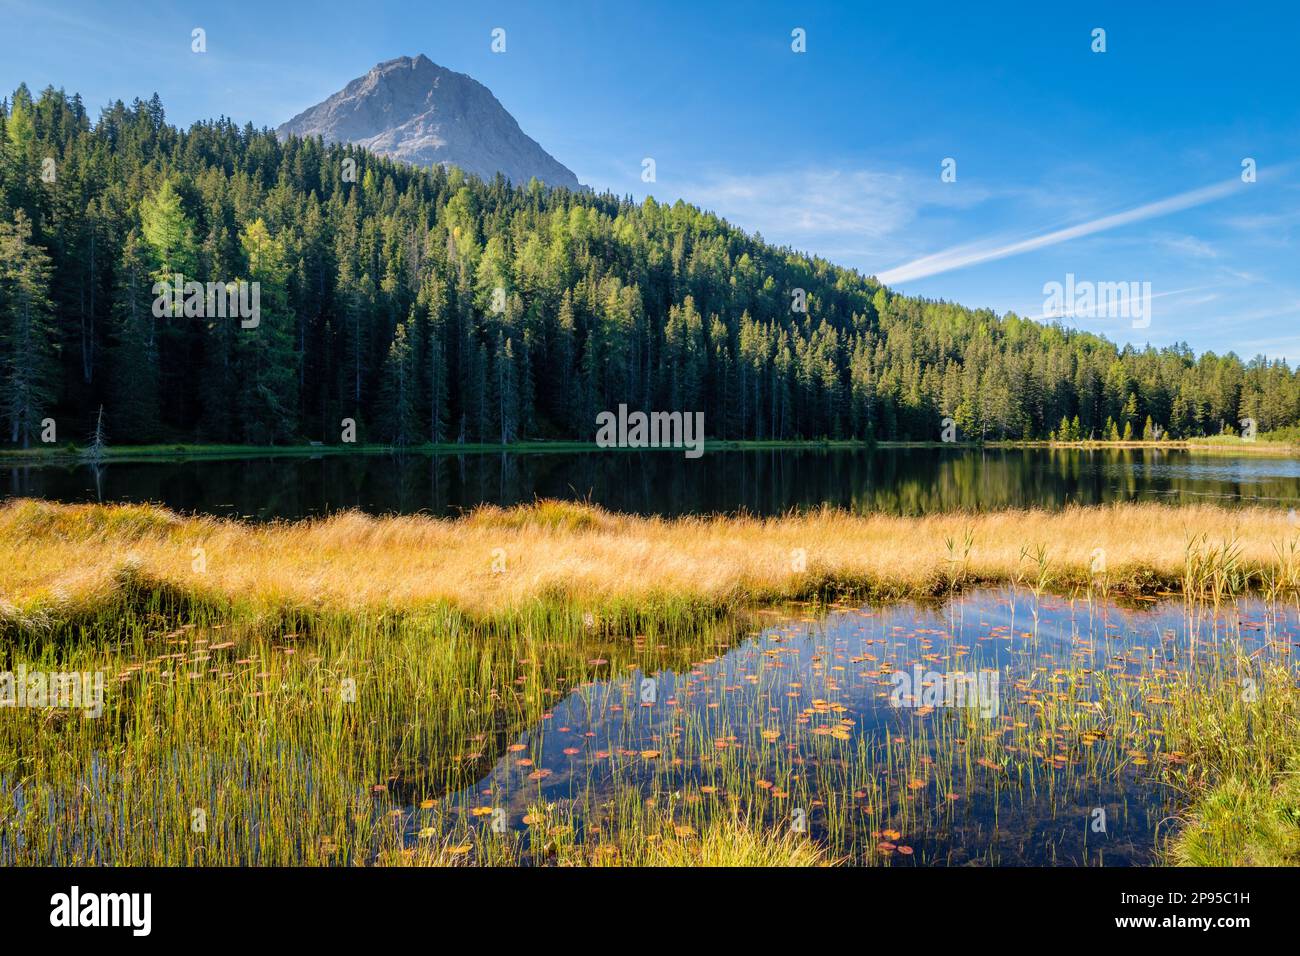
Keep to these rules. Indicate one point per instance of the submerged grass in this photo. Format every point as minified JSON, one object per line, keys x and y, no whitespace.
{"x":382,"y":741}
{"x":224,"y":744}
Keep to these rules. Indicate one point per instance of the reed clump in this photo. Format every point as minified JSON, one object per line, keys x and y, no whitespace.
{"x":1242,"y":776}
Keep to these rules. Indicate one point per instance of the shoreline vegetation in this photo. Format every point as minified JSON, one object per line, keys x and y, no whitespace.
{"x":81,"y":581}
{"x":1241,"y":780}
{"x":182,"y":451}
{"x":59,"y":561}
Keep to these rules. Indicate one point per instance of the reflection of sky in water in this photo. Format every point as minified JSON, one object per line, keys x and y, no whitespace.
{"x":602,"y":739}
{"x":1239,"y":470}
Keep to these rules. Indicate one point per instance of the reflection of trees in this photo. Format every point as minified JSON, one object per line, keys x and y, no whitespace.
{"x":435,"y":761}
{"x":762,"y":481}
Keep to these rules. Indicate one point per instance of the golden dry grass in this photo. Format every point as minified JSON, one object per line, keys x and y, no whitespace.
{"x":57,"y":557}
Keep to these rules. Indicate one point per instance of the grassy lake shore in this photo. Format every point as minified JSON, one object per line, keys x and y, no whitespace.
{"x":1242,"y":778}
{"x":468,"y":629}
{"x":59,"y":560}
{"x":63,"y":560}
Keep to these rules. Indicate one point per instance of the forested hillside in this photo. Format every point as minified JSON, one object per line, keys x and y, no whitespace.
{"x":380,"y":303}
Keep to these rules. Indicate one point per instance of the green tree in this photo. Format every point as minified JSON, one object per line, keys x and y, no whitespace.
{"x":169,"y":232}
{"x":133,"y":357}
{"x":266,"y":377}
{"x":399,"y":421}
{"x":29,"y":369}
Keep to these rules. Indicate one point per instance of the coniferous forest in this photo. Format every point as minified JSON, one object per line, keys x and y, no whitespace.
{"x":428,"y":306}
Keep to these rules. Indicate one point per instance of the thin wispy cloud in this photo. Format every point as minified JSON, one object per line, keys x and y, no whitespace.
{"x":959,"y":257}
{"x":811,"y":200}
{"x":820,"y":208}
{"x":1189,"y":246}
{"x":1284,"y":309}
{"x":92,"y":31}
{"x":1263,"y":222}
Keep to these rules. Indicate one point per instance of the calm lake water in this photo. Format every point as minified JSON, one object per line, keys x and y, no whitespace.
{"x":902,"y":480}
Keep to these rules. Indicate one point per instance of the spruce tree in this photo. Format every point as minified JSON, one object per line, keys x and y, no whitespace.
{"x":29,"y":346}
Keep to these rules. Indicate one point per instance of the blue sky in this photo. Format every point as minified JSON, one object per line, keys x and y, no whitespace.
{"x":1122,"y":166}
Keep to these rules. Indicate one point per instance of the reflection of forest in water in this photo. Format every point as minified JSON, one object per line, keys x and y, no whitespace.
{"x":896,"y":480}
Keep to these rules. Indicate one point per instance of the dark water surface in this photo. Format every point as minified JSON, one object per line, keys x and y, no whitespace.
{"x":896,"y":480}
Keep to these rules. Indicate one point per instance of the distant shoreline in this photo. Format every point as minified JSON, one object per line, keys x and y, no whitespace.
{"x":179,"y":451}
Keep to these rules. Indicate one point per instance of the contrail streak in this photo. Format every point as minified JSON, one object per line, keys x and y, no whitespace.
{"x":958,"y":257}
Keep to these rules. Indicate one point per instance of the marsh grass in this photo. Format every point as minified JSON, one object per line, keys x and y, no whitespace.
{"x":649,"y":840}
{"x":252,"y":729}
{"x":726,"y":841}
{"x":1242,"y":777}
{"x":74,"y":563}
{"x":328,"y":748}
{"x":227,"y":685}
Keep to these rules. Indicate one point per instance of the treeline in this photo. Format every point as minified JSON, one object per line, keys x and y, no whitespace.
{"x":427,"y":306}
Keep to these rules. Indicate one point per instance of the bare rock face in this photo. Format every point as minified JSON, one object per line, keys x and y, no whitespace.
{"x":413,"y":110}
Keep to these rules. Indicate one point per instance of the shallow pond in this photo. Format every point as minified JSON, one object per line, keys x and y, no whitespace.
{"x":997,"y":728}
{"x":849,"y":727}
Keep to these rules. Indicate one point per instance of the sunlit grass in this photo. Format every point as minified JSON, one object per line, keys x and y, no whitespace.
{"x":64,"y":560}
{"x":1242,"y":777}
{"x":325,"y":748}
{"x":337,"y":692}
{"x":725,"y":842}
